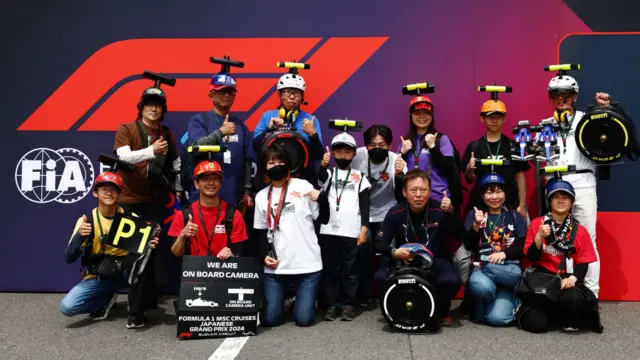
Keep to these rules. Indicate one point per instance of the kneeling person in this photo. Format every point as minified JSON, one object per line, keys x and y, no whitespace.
{"x":426,"y":221}
{"x":96,"y":294}
{"x":209,"y":226}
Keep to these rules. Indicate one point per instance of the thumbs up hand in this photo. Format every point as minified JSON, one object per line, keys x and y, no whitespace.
{"x":478,"y":216}
{"x":430,"y":140}
{"x":406,"y":145}
{"x":308,"y":126}
{"x":160,"y":146}
{"x":85,"y":227}
{"x":399,"y":166}
{"x":445,"y":204}
{"x":472,"y":162}
{"x":326,"y":158}
{"x":190,"y":229}
{"x":228,"y":127}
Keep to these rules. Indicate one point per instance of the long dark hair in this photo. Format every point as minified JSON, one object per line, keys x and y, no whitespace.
{"x":413,"y":131}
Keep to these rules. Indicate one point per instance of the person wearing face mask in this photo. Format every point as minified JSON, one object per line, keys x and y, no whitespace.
{"x":557,"y":243}
{"x":284,"y":221}
{"x":347,"y":190}
{"x":384,"y":170}
{"x":563,"y":93}
{"x":496,"y":236}
{"x":427,"y":149}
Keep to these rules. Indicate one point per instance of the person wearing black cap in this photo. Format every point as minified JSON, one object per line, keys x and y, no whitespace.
{"x":152,"y":149}
{"x":557,"y":244}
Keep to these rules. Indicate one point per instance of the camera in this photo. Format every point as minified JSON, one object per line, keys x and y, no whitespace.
{"x":409,"y":302}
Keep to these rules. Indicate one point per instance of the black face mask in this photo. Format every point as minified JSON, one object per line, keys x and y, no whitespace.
{"x":278,"y":172}
{"x":343,"y":164}
{"x":378,"y":155}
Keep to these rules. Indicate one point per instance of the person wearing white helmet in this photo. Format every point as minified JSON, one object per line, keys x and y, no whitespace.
{"x":563,"y":93}
{"x":291,"y":89}
{"x":347,"y":190}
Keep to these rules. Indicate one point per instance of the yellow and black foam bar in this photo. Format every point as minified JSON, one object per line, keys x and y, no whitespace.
{"x":562,"y":67}
{"x":495,"y":88}
{"x":207,"y":148}
{"x":293,"y":65}
{"x":412,"y":88}
{"x":557,"y":169}
{"x":341,"y":123}
{"x":494,"y":162}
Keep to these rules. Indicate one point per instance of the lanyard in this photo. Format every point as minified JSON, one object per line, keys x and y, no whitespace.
{"x":344,"y":185}
{"x":373,"y":181}
{"x":145,"y":137}
{"x":220,"y":125}
{"x":276,"y":215}
{"x":564,"y":133}
{"x":424,"y":220}
{"x":208,"y":237}
{"x":489,"y":148}
{"x":488,"y":235}
{"x":416,"y":153}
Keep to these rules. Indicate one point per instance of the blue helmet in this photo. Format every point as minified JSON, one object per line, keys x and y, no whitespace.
{"x":491,"y":179}
{"x":553,"y":186}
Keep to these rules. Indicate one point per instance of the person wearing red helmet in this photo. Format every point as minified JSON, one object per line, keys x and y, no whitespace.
{"x":202,"y":229}
{"x":96,"y":295}
{"x":427,"y":149}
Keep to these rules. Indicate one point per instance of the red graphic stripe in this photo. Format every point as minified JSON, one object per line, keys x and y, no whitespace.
{"x":122,"y":59}
{"x":331,"y":66}
{"x":189,"y":95}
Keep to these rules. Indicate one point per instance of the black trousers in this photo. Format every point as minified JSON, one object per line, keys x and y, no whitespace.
{"x":576,"y":308}
{"x":366,"y":269}
{"x":340,"y":265}
{"x":144,"y":294}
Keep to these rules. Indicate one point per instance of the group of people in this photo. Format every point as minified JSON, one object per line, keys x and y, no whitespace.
{"x":318,"y":233}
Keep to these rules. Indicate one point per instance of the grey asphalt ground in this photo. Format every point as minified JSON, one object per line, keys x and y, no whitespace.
{"x":31,"y":327}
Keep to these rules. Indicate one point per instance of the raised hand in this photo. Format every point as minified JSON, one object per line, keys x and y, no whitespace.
{"x":190,"y":229}
{"x":228,"y":127}
{"x":406,"y":145}
{"x":326,"y":158}
{"x":445,"y":204}
{"x":85,"y":227}
{"x":160,"y":146}
{"x":399,"y":166}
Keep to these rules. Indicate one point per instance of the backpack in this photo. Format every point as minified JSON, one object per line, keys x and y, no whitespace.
{"x":455,"y":185}
{"x":228,"y":225}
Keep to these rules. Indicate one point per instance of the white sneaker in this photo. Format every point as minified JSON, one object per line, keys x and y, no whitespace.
{"x":570,"y":329}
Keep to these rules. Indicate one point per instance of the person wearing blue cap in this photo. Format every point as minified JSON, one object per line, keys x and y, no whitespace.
{"x":220,"y":127}
{"x":496,"y":235}
{"x":558,"y":245}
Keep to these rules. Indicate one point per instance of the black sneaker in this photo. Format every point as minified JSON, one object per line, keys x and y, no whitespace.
{"x":104,"y":312}
{"x":348,"y":314}
{"x":365,"y":302}
{"x":332,"y":313}
{"x":135,"y":322}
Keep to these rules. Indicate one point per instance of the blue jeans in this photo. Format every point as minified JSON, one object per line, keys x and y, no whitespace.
{"x":305,"y":307}
{"x":89,"y":296}
{"x":493,"y":290}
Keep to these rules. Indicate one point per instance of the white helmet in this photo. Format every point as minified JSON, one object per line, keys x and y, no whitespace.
{"x":563,"y":83}
{"x":345,"y":139}
{"x":291,"y":81}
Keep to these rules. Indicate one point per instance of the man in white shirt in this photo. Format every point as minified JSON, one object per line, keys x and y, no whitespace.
{"x":384,"y":170}
{"x":563,"y":93}
{"x":284,"y":220}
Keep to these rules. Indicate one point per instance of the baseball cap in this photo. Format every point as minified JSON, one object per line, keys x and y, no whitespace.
{"x":108,"y":178}
{"x":207,"y":166}
{"x":345,"y":139}
{"x":420,"y":102}
{"x":222,"y":80}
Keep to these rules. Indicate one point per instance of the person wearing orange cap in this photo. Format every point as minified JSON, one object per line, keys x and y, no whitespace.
{"x":425,"y":148}
{"x":209,"y":226}
{"x":96,"y":294}
{"x":495,"y":143}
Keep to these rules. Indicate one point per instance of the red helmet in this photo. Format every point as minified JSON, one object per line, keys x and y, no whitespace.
{"x":420,"y":102}
{"x":109,"y":177}
{"x":207,"y":166}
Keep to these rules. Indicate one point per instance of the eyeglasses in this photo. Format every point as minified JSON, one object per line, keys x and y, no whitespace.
{"x":225,"y":92}
{"x":289,"y":93}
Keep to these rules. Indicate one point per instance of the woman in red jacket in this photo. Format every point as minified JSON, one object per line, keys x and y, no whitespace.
{"x":557,"y":244}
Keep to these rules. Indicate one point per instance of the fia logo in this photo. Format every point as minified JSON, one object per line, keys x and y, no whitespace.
{"x":45,"y":175}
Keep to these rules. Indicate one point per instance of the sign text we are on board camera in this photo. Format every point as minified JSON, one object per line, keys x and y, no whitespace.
{"x":219,"y":298}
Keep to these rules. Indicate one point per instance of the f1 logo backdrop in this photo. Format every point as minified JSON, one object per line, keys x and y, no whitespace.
{"x":108,"y":77}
